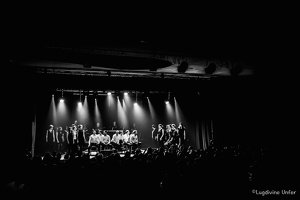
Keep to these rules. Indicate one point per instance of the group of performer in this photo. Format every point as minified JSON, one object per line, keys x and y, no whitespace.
{"x":169,"y":135}
{"x":120,"y":140}
{"x":76,"y":139}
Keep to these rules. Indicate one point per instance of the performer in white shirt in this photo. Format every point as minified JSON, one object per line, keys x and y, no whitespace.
{"x":94,"y":141}
{"x":133,"y":139}
{"x":115,"y":141}
{"x":126,"y":142}
{"x":104,"y":140}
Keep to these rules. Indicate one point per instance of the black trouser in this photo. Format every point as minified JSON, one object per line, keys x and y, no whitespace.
{"x":61,"y":147}
{"x":161,"y":144}
{"x":81,"y":145}
{"x":135,"y":146}
{"x":127,"y":145}
{"x":181,"y":142}
{"x":72,"y":147}
{"x":116,"y":145}
{"x":103,"y":145}
{"x":93,"y":145}
{"x":50,"y":146}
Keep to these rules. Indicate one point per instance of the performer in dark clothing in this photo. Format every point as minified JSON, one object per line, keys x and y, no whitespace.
{"x":69,"y":139}
{"x":60,"y":140}
{"x":181,"y":134}
{"x":154,"y":136}
{"x":50,"y":139}
{"x":173,"y":136}
{"x":81,"y":138}
{"x":167,"y":135}
{"x":160,"y":135}
{"x":72,"y":139}
{"x":98,"y":129}
{"x":114,"y":126}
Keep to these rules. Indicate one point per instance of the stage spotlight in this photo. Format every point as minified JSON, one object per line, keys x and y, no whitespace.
{"x":79,"y":102}
{"x":182,"y":67}
{"x":125,"y":93}
{"x":62,"y":96}
{"x":135,"y":103}
{"x":109,"y":93}
{"x":211,"y":68}
{"x":168,"y":99}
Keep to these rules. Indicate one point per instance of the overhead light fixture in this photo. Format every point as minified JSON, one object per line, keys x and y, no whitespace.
{"x":85,"y":93}
{"x":211,"y":68}
{"x":95,"y":94}
{"x":168,"y":100}
{"x":80,"y":102}
{"x":182,"y":67}
{"x":62,"y":96}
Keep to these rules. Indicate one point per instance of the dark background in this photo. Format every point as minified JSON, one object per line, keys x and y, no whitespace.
{"x":263,"y":107}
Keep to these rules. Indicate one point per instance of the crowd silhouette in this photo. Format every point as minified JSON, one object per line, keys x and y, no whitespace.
{"x":158,"y":172}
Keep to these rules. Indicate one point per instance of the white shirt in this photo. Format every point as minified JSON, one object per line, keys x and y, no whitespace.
{"x":116,"y":138}
{"x":133,"y":138}
{"x":94,"y":138}
{"x":126,"y":137}
{"x":105,"y":138}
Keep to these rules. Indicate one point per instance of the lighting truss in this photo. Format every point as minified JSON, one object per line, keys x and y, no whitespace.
{"x":121,"y":73}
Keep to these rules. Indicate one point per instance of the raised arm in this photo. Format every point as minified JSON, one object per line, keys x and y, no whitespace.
{"x":53,"y":133}
{"x":67,"y":136}
{"x":109,"y":139}
{"x":89,"y":142}
{"x":57,"y":136}
{"x":84,"y":130}
{"x":162,"y":135}
{"x":153,"y":130}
